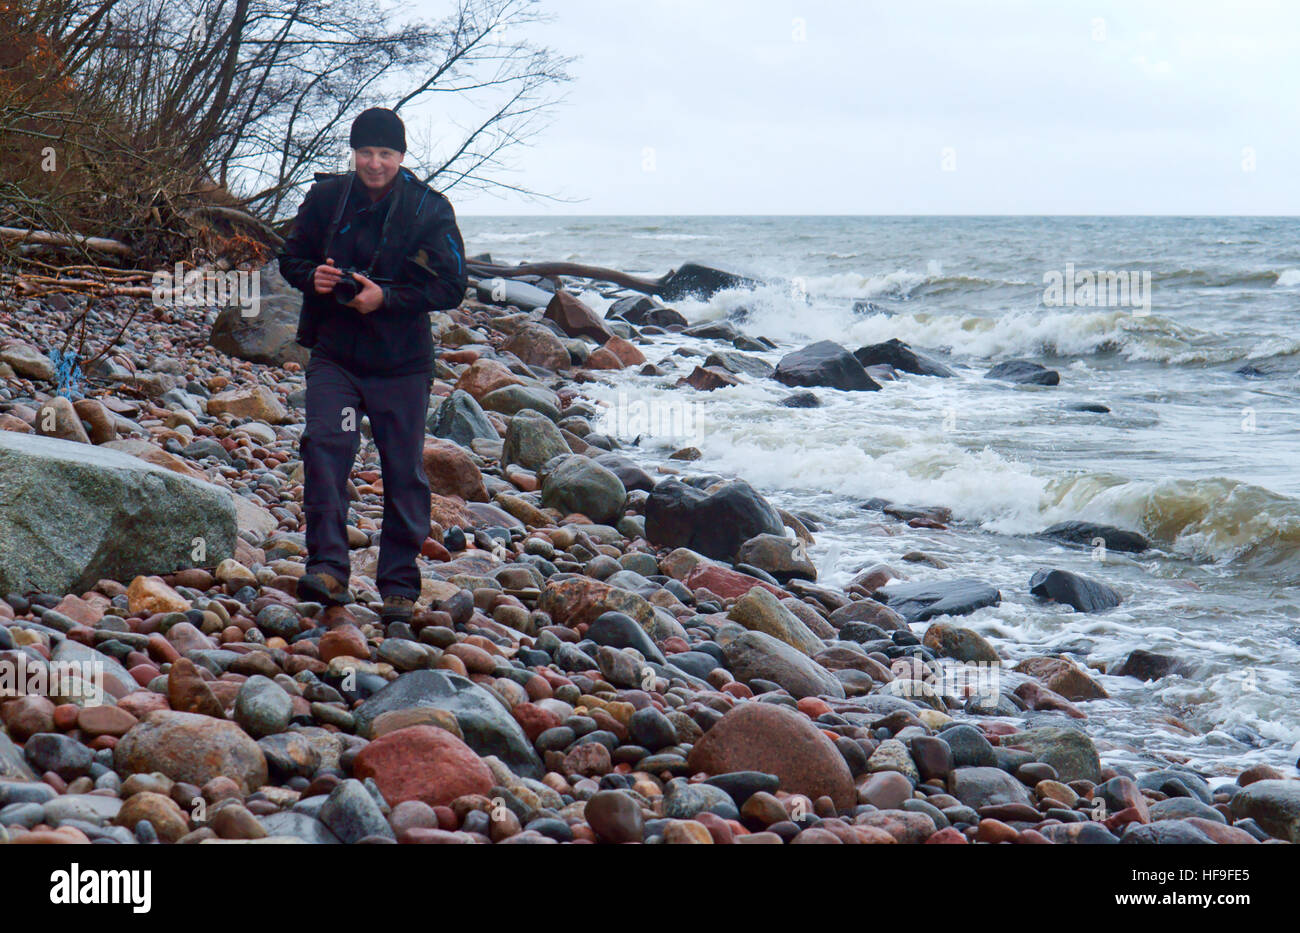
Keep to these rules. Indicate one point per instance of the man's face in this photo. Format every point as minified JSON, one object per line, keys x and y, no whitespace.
{"x":377,"y":166}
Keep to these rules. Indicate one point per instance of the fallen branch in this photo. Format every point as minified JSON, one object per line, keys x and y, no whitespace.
{"x":235,"y":215}
{"x":50,"y":238}
{"x":574,"y":269}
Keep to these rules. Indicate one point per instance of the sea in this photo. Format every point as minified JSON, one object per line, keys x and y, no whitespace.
{"x":1189,"y":335}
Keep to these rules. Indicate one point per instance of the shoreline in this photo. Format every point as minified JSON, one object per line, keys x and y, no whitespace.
{"x":590,"y":720}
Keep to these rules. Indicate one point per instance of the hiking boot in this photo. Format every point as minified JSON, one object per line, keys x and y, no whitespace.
{"x":396,"y":609}
{"x":323,"y":588}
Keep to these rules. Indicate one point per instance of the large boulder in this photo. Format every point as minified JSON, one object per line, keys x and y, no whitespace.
{"x":191,"y":747}
{"x":693,"y":279}
{"x":73,"y":514}
{"x":484,"y":719}
{"x":512,"y":399}
{"x":899,"y":355}
{"x":713,"y":524}
{"x":580,"y":484}
{"x":757,"y":655}
{"x":824,"y":363}
{"x":267,"y":335}
{"x":1084,"y":594}
{"x":771,"y":739}
{"x":921,"y":602}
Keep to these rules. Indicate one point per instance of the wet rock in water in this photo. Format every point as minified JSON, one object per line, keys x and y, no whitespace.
{"x":580,"y":484}
{"x":1084,"y":594}
{"x":759,"y":656}
{"x":712,"y":330}
{"x":708,"y":378}
{"x":801,"y":400}
{"x":766,"y":738}
{"x":74,"y":514}
{"x":486,"y":724}
{"x":1147,"y":665}
{"x":1274,"y":805}
{"x":692,"y":279}
{"x":575,"y":318}
{"x":740,"y":363}
{"x":920,"y":602}
{"x":900,"y":356}
{"x":1091,"y":534}
{"x":643,"y":310}
{"x":1024,"y":372}
{"x":714,"y":524}
{"x":1095,"y":408}
{"x":825,"y":363}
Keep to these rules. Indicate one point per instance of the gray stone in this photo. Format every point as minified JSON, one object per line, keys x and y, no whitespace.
{"x":350,"y":813}
{"x":757,"y":655}
{"x":262,"y":707}
{"x":73,"y":514}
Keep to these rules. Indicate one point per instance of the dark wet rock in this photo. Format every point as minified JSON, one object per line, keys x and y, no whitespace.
{"x":1147,"y":665}
{"x":1069,"y":751}
{"x":693,"y":279}
{"x":1087,"y":533}
{"x":713,"y":330}
{"x":900,"y":356}
{"x":1095,"y":408}
{"x":714,"y":524}
{"x":920,"y":602}
{"x":1024,"y":372}
{"x":269,"y":335}
{"x":618,"y":630}
{"x":801,"y":400}
{"x":1084,"y":594}
{"x":740,"y":363}
{"x":825,"y":363}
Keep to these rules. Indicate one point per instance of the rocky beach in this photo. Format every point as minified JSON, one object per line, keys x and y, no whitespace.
{"x":607,"y":649}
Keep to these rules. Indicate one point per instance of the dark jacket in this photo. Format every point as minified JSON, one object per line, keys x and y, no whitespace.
{"x":420,"y":266}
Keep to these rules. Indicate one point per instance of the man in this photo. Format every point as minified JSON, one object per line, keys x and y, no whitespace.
{"x":372,"y":351}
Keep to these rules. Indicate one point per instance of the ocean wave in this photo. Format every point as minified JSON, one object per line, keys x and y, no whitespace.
{"x":1209,"y":519}
{"x":1288,"y":278}
{"x":503,"y":237}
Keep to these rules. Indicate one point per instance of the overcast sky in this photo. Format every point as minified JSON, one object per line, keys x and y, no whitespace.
{"x":991,"y":107}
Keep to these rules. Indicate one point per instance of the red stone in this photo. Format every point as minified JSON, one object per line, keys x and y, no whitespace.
{"x":423,"y":763}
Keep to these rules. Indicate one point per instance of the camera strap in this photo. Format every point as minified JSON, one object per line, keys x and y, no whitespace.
{"x":396,"y":194}
{"x":338,"y":217}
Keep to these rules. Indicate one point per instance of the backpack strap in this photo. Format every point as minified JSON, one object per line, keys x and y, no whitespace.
{"x":333,"y":228}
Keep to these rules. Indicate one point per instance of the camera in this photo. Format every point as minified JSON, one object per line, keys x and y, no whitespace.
{"x":347,"y":287}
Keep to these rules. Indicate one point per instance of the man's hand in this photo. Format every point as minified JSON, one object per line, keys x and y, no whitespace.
{"x":326,"y":277}
{"x":369,"y":298}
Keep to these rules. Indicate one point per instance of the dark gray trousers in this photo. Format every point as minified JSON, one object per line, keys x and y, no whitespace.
{"x":397,"y":407}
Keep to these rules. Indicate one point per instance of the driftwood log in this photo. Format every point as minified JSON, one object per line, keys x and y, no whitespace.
{"x":50,"y":238}
{"x":574,"y":269}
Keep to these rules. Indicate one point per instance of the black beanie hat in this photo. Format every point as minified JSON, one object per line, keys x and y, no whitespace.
{"x":378,"y":127}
